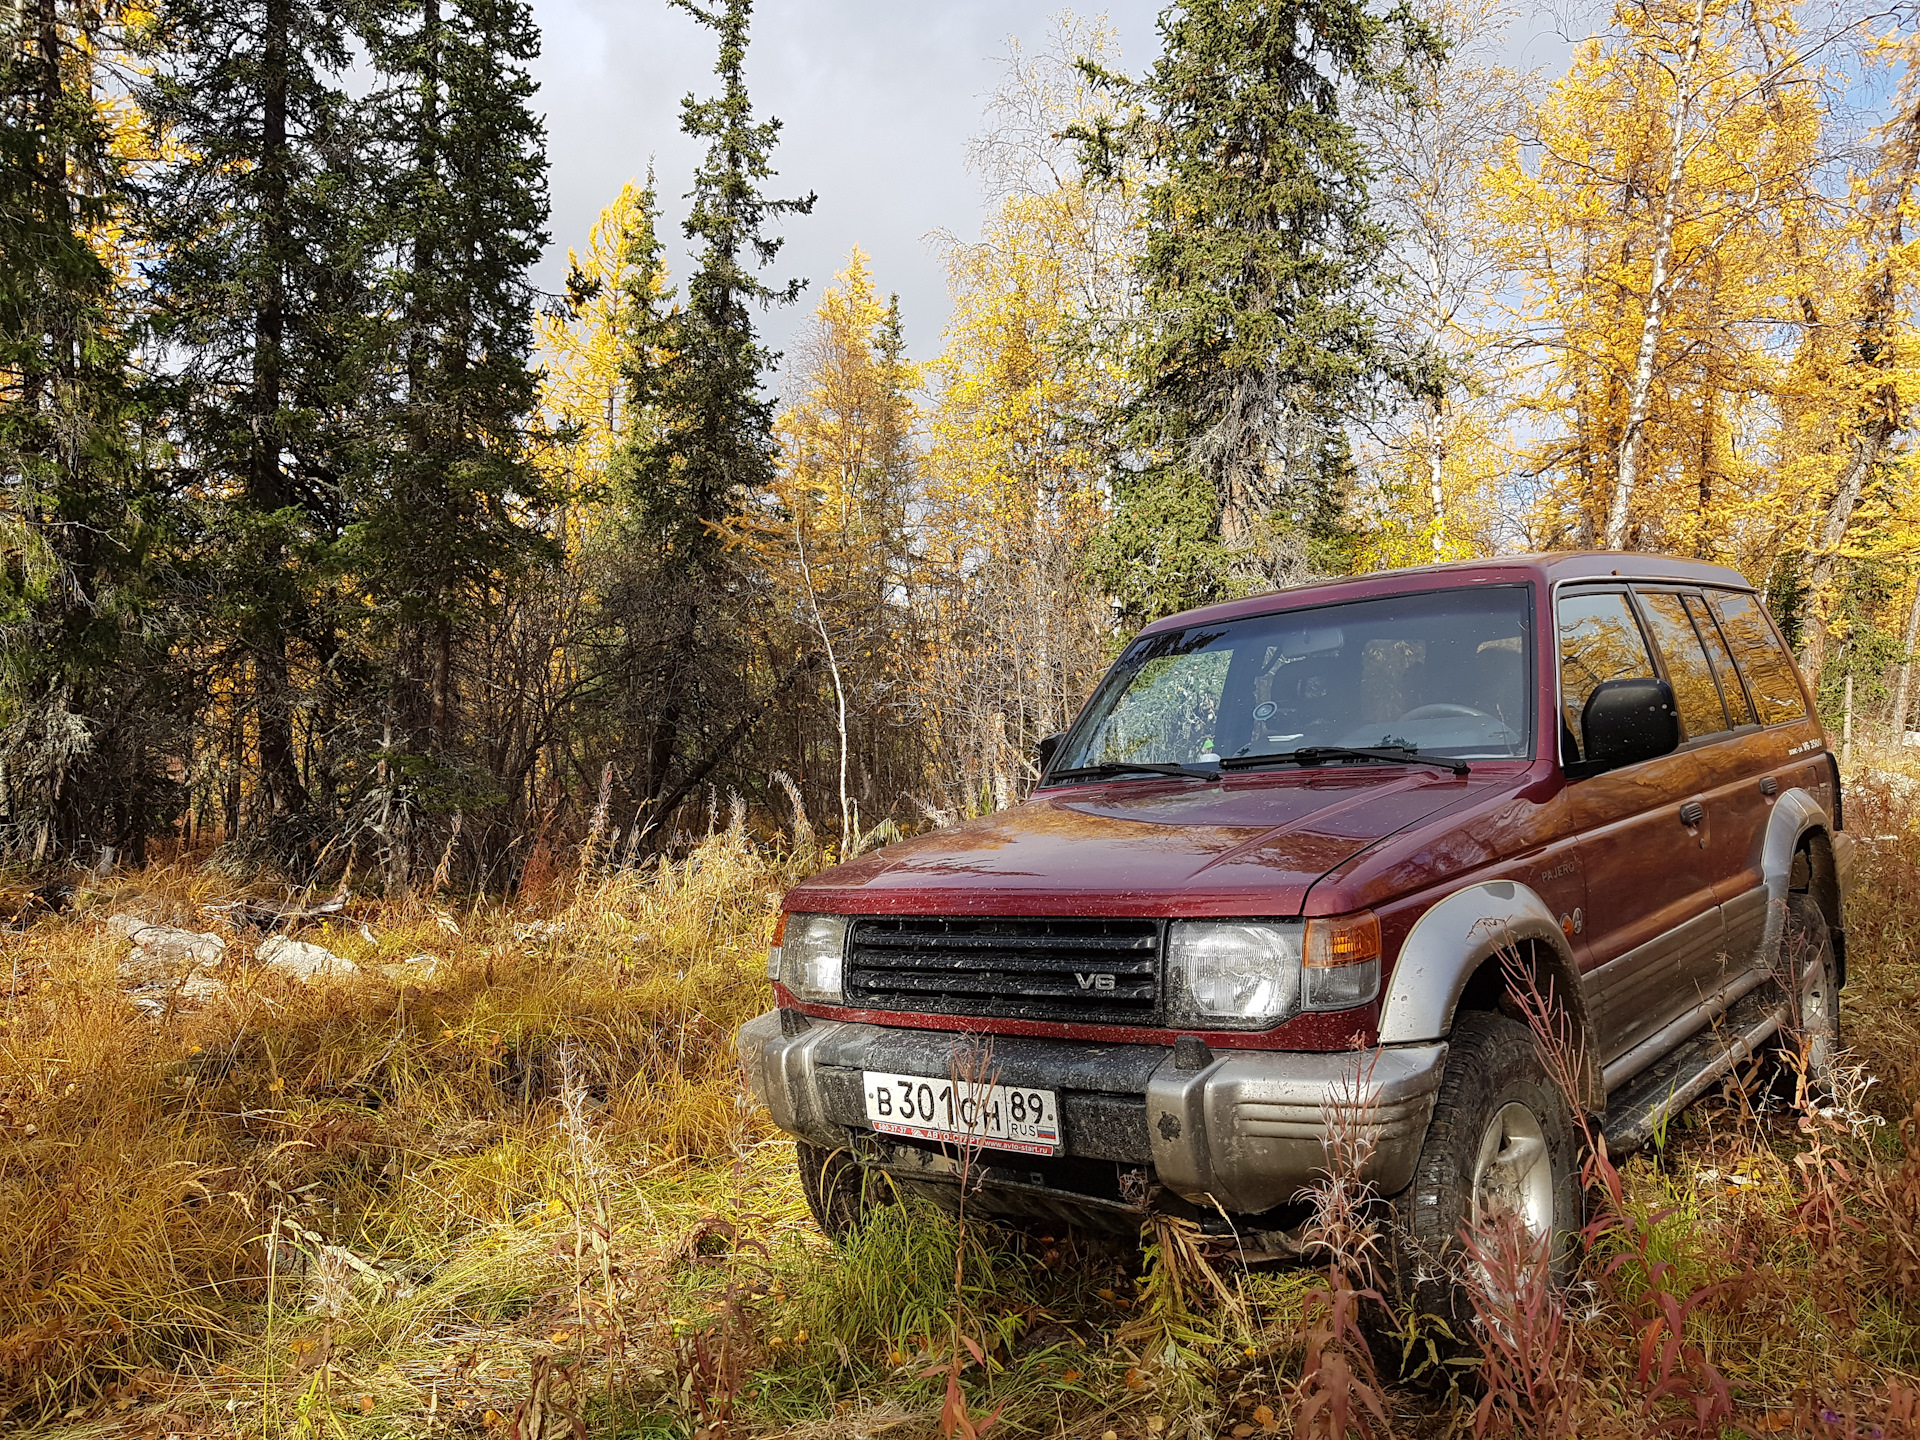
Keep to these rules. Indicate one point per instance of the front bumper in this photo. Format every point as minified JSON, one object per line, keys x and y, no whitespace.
{"x":1247,"y":1132}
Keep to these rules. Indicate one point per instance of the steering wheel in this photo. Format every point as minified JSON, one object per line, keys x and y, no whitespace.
{"x":1445,"y":709}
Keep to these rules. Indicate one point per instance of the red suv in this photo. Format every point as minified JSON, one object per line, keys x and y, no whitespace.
{"x":1275,"y":866}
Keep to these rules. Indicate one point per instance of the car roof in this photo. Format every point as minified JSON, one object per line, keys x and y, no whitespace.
{"x":1553,"y":567}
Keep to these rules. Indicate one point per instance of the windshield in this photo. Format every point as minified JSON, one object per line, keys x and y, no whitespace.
{"x":1444,"y":672}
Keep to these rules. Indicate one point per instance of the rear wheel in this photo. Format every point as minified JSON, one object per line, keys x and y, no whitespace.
{"x":1501,"y":1150}
{"x":841,"y":1192}
{"x":1812,"y":1037}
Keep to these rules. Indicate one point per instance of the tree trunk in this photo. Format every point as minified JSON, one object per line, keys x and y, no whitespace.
{"x":267,"y":489}
{"x":1435,"y":458}
{"x":839,"y":690}
{"x":1640,"y":394}
{"x":1904,"y":693}
{"x":1868,"y":446}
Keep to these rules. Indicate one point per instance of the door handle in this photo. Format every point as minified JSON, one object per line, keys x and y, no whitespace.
{"x":1692,"y":813}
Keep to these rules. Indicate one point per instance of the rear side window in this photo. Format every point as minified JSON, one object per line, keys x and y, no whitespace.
{"x":1599,"y":641}
{"x":1762,"y":659}
{"x":1694,"y":690}
{"x":1731,"y":691}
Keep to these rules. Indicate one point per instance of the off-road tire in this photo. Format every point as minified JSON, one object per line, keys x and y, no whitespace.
{"x":1815,"y":1014}
{"x":841,"y":1192}
{"x":1492,"y":1062}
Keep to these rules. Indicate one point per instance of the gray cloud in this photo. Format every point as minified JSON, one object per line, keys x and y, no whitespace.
{"x":877,"y":99}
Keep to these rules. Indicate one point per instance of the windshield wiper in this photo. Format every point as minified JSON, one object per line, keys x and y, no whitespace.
{"x":1319,"y":754}
{"x":1128,"y":767}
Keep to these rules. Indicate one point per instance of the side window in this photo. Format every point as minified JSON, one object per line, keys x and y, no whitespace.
{"x":1694,"y":690}
{"x":1599,"y":640}
{"x":1763,"y":660}
{"x":1739,"y":711}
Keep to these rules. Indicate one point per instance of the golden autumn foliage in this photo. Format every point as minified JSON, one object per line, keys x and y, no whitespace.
{"x":1709,"y":311}
{"x":1579,"y":229}
{"x":583,"y":349}
{"x":1661,"y":301}
{"x":830,"y":535}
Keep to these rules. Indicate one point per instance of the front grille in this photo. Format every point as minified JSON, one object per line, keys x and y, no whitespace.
{"x":1095,"y":971}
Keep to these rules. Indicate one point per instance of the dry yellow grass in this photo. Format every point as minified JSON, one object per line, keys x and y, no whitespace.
{"x":402,"y":1201}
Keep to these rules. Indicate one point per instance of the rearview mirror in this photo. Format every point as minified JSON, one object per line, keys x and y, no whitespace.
{"x":1312,"y":641}
{"x":1043,"y":752}
{"x":1625,"y":722}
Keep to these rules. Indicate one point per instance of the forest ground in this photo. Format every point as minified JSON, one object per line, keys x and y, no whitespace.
{"x":503,"y":1178}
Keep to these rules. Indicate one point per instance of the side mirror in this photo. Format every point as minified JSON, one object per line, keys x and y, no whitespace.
{"x":1043,"y":752}
{"x":1625,"y":722}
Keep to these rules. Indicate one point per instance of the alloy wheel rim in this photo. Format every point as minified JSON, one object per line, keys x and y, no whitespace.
{"x":1816,"y":1015}
{"x":1513,"y":1171}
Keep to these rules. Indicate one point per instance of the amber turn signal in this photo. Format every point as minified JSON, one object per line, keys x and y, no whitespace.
{"x":1342,"y":940}
{"x":773,"y":946}
{"x":1340,"y":966}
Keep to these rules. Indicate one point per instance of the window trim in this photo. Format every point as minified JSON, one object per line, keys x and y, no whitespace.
{"x":1746,"y":693}
{"x":1727,"y":728}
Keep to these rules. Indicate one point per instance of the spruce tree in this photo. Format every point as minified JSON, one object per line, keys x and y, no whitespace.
{"x":1256,"y":336}
{"x":445,"y":505}
{"x":702,"y":443}
{"x":259,"y":285}
{"x":86,"y":713}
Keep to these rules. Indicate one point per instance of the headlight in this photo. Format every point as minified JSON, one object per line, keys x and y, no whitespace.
{"x":807,"y":957}
{"x":1233,"y":974}
{"x":1253,"y":974}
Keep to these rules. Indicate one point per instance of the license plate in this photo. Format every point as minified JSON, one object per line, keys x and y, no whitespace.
{"x":996,"y":1117}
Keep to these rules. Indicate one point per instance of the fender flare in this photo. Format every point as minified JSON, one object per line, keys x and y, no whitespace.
{"x":1461,"y":933}
{"x":1795,"y":816}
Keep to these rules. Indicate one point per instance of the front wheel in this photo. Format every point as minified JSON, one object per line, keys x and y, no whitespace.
{"x":1500,"y":1151}
{"x":841,"y":1192}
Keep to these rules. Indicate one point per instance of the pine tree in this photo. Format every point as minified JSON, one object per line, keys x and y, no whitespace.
{"x":260,"y":291}
{"x":702,"y":443}
{"x":84,"y":706}
{"x":1260,"y":244}
{"x":444,"y":509}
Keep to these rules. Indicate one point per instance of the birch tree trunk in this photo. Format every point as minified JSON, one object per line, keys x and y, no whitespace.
{"x":1435,"y":457}
{"x":1904,"y":693}
{"x":1640,"y":392}
{"x":839,"y":690}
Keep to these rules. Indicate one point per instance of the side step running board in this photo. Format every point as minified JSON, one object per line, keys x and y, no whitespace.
{"x":1637,"y":1110}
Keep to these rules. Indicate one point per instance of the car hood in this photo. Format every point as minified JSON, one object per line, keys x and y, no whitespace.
{"x":1250,"y":845}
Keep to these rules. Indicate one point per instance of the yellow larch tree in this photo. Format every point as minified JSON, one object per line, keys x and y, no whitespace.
{"x":831,"y":536}
{"x":584,"y":350}
{"x":1854,"y":383}
{"x":1655,"y":242}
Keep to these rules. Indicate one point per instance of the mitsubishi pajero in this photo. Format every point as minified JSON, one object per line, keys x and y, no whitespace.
{"x":1286,"y":859}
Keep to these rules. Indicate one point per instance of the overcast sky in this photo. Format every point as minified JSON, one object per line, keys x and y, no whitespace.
{"x":878,"y":99}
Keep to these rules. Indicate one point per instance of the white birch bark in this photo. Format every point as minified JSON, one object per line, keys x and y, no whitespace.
{"x":1640,"y":392}
{"x":1904,"y":694}
{"x":839,"y":691}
